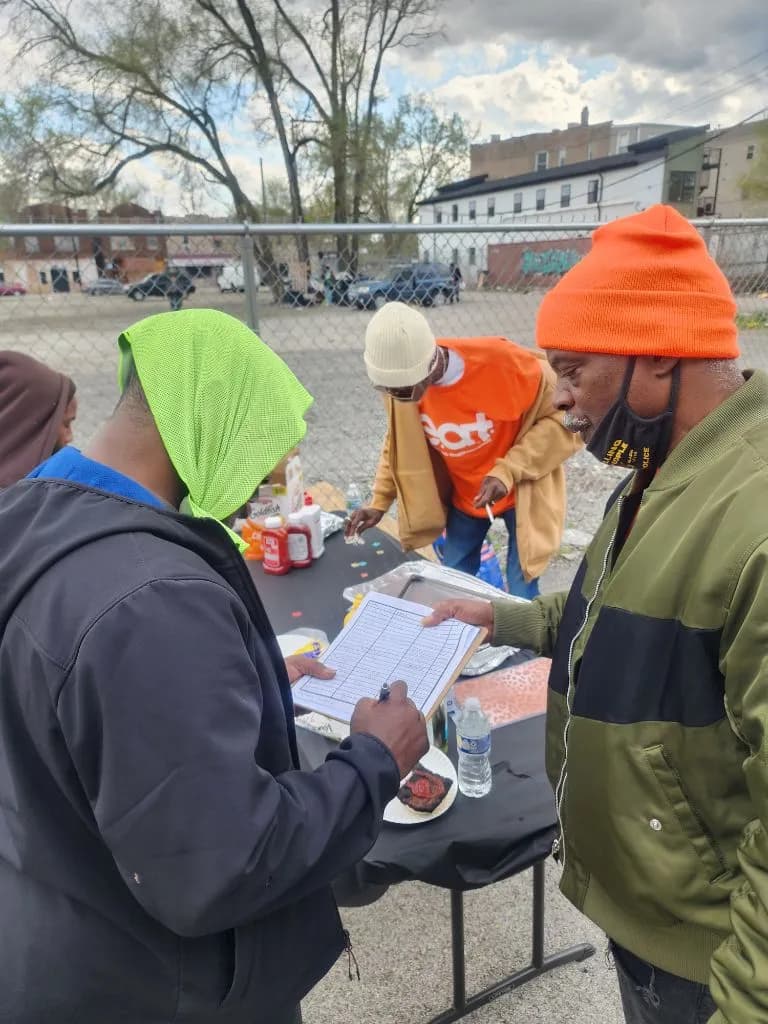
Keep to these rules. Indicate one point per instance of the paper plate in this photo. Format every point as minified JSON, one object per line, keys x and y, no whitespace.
{"x":292,"y":643}
{"x":298,"y":642}
{"x":436,"y":761}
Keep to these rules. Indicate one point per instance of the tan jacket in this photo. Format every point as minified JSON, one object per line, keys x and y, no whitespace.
{"x":412,"y":472}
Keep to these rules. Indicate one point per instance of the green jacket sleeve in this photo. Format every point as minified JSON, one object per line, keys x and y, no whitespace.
{"x":739,"y":969}
{"x":533,"y":625}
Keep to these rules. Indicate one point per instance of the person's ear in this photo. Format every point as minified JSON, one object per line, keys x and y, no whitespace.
{"x":662,"y":366}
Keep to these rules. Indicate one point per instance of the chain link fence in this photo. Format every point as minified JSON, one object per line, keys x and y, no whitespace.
{"x":67,"y":290}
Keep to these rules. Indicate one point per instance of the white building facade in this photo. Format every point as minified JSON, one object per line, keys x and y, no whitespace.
{"x":589,"y":193}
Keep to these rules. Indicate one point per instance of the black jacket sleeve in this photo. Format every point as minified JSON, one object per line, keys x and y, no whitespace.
{"x":162,"y":712}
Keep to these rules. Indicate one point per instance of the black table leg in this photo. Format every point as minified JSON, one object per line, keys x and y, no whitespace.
{"x":540,"y":964}
{"x":457,"y":950}
{"x":537,"y":958}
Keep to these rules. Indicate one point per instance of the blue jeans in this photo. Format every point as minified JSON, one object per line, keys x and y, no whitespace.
{"x":652,"y":996}
{"x":464,"y":536}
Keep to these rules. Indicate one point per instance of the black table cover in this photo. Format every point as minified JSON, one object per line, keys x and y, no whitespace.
{"x":478,"y":841}
{"x":315,"y":592}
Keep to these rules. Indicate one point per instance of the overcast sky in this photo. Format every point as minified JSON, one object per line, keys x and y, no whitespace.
{"x":670,"y":35}
{"x":511,"y":67}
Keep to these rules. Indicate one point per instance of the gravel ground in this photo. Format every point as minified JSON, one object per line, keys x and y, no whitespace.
{"x":323,"y":346}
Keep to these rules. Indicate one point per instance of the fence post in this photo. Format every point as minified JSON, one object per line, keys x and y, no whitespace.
{"x":706,"y":233}
{"x":249,"y":280}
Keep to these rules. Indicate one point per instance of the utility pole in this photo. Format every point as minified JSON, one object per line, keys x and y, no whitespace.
{"x":263,"y":192}
{"x":75,"y":247}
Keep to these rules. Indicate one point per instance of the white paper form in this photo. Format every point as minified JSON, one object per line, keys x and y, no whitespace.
{"x":385,"y":642}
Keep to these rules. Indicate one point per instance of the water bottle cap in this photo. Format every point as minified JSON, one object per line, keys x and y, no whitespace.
{"x":472,"y":704}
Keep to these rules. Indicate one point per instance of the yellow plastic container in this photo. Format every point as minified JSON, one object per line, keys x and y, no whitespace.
{"x":353,"y":608}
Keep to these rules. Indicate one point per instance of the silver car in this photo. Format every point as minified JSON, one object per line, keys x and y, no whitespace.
{"x":104,"y":286}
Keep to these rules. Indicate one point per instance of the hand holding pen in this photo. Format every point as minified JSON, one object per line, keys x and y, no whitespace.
{"x":396,"y":722}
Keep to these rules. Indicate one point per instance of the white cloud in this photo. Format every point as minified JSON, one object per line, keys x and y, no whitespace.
{"x":495,"y":55}
{"x":431,"y":70}
{"x":248,"y":169}
{"x":160,"y":188}
{"x":547,"y":91}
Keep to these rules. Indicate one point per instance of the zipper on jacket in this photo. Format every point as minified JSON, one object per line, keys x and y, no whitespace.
{"x":559,"y":844}
{"x":351,"y":958}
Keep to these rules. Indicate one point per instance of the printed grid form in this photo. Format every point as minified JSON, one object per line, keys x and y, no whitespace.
{"x":383,"y":643}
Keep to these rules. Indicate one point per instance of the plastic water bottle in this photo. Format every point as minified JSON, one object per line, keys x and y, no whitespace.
{"x":354,"y":498}
{"x":473,"y":735}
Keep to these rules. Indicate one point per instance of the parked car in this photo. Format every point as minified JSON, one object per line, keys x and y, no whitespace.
{"x":105,"y":286}
{"x":339,"y":289}
{"x":12,"y":289}
{"x":232,"y":279}
{"x":158,"y":285}
{"x":430,"y":284}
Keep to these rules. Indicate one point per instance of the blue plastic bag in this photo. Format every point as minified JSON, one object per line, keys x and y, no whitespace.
{"x":490,"y":568}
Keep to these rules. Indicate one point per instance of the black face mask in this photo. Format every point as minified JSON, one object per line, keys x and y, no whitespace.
{"x":622,"y":438}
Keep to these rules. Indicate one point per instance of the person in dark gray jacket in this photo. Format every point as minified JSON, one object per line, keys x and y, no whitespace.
{"x":162,"y":856}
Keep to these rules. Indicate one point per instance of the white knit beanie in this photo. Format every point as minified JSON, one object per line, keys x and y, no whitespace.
{"x":399,"y":346}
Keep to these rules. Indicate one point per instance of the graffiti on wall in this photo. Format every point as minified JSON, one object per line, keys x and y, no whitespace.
{"x":549,"y":261}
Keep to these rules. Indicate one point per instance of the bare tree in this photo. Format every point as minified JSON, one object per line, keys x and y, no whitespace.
{"x":321,"y":74}
{"x":238,"y":25}
{"x":155,"y":78}
{"x":146,"y":80}
{"x":30,"y":151}
{"x":333,"y":57}
{"x":413,"y":151}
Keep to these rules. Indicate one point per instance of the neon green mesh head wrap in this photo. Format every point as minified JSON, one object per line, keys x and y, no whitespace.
{"x":226,"y":407}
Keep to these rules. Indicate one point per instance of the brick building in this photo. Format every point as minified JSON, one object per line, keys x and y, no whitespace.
{"x":59,"y":262}
{"x":544,"y":151}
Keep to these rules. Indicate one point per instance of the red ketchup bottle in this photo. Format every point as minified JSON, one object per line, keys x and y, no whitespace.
{"x":274,"y":541}
{"x":299,"y":541}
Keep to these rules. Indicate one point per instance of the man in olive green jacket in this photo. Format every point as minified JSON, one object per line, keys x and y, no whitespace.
{"x":657,"y":737}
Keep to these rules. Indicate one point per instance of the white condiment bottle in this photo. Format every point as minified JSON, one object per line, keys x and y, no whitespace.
{"x":312,"y":517}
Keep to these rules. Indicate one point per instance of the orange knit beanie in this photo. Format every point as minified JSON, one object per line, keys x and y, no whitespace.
{"x":648,"y":287}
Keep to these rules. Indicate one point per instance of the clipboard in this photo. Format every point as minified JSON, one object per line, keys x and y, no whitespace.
{"x":384,"y":642}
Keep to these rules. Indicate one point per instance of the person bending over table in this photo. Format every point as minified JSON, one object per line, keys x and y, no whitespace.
{"x":470,"y":426}
{"x":162,"y":857}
